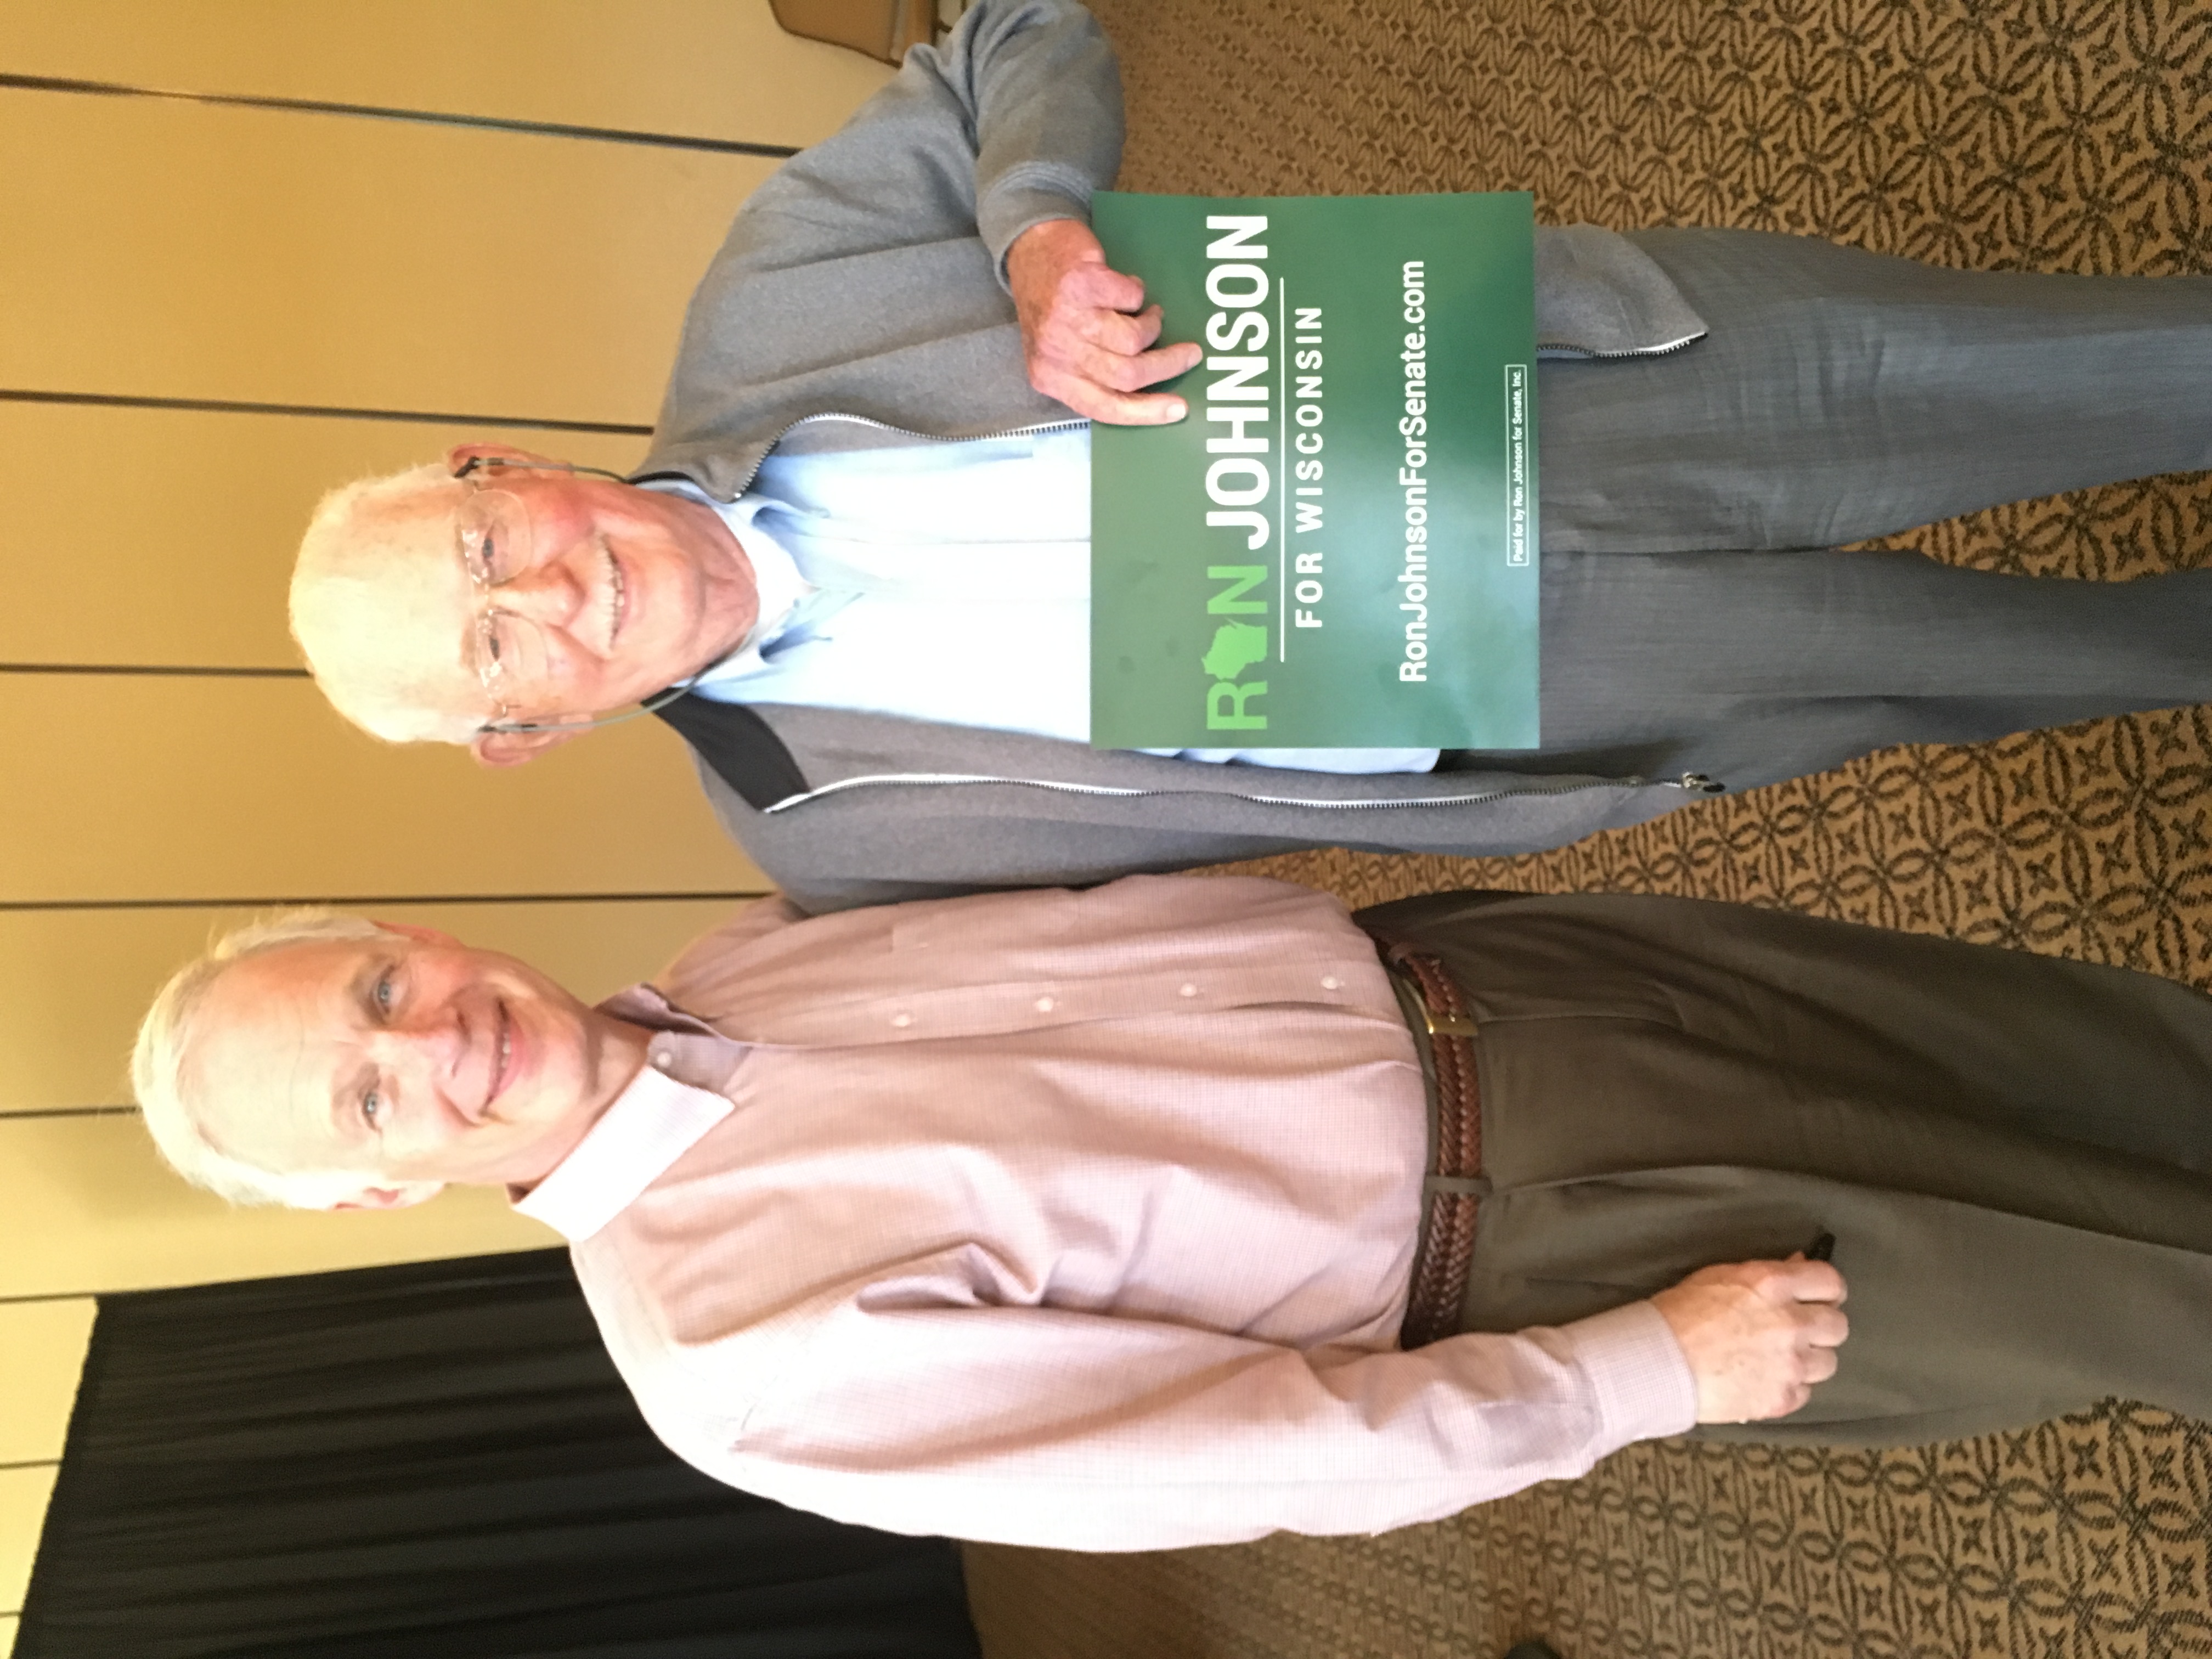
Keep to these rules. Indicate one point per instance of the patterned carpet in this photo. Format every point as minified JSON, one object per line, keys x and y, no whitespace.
{"x":2052,"y":134}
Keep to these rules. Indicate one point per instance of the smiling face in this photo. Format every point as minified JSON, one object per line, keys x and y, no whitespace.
{"x":611,"y":593}
{"x":407,"y":1057}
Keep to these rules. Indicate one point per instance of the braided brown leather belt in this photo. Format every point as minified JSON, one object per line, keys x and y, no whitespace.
{"x":1453,"y":1190}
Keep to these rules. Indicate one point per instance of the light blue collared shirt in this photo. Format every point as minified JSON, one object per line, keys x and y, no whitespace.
{"x":946,"y":582}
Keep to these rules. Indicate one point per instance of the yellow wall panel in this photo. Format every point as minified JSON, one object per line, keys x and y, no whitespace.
{"x":715,"y":68}
{"x":165,"y":537}
{"x":45,"y":1344}
{"x":87,"y":1204}
{"x":132,"y":787}
{"x":8,"y":1625}
{"x":74,"y":983}
{"x":23,"y":1495}
{"x":162,"y":250}
{"x":175,"y":251}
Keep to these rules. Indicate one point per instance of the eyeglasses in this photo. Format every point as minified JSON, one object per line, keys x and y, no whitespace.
{"x":494,"y":539}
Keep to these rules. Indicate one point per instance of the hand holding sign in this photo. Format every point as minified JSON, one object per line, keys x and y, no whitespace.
{"x":1084,"y":335}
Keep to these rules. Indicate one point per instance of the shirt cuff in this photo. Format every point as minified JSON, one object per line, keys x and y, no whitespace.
{"x":1642,"y":1379}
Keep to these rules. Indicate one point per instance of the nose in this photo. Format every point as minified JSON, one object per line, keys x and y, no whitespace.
{"x":547,"y":594}
{"x":427,"y":1049}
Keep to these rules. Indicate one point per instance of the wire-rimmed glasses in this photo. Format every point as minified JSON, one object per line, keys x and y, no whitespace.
{"x":495,"y":542}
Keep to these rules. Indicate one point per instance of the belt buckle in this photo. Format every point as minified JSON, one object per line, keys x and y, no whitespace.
{"x":1448,"y":1025}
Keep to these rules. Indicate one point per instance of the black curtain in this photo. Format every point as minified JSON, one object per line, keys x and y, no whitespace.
{"x":435,"y":1462}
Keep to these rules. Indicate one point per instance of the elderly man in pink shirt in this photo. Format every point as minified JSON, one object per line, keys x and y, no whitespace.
{"x":1175,"y":1212}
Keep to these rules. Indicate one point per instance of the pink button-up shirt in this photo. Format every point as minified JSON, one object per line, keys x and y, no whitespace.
{"x":1079,"y":1219}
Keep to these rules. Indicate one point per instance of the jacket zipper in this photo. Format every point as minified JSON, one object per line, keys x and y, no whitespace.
{"x":1069,"y":425}
{"x":1587,"y":354}
{"x":1691,"y":782}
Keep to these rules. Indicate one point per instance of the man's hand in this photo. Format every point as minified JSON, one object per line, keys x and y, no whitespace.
{"x":1085,"y":340}
{"x":1757,"y":1335}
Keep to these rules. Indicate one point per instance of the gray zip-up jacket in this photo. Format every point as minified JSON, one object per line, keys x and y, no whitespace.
{"x":859,"y":302}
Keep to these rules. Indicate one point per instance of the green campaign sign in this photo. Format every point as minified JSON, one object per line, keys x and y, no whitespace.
{"x":1338,"y":547}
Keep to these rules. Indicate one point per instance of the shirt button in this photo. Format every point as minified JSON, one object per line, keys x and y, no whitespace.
{"x":665,"y":1060}
{"x":1046,"y":1004}
{"x":1185,"y":990}
{"x":901,"y":1020}
{"x":1331,"y":982}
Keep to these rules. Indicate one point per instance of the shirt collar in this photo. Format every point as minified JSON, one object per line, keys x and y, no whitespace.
{"x":776,"y":582}
{"x":665,"y":1110}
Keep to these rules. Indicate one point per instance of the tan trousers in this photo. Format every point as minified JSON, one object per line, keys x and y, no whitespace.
{"x":2014,"y":1152}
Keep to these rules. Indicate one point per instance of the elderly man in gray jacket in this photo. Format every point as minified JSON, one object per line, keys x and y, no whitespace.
{"x":802,"y":574}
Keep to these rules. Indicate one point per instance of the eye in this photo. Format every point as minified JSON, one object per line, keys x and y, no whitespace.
{"x":477,"y":550}
{"x":519,"y":651}
{"x":371,"y":1109}
{"x":383,"y":991}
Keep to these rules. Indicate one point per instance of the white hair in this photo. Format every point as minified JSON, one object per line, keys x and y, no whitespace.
{"x":338,"y":593}
{"x":171,"y":1093}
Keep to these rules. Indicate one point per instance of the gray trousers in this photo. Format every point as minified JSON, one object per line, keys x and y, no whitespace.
{"x":1843,"y":395}
{"x":2014,"y":1152}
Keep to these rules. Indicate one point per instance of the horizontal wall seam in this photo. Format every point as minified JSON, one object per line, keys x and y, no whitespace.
{"x":153,"y":668}
{"x":14,"y":1113}
{"x":50,"y":1296}
{"x":383,"y":112}
{"x":321,"y":411}
{"x":34,"y":1463}
{"x":352,"y":901}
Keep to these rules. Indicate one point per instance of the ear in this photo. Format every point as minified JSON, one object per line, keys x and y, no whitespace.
{"x":391,"y":1198}
{"x":512,"y":748}
{"x":487,"y":452}
{"x":422,"y":935}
